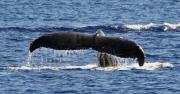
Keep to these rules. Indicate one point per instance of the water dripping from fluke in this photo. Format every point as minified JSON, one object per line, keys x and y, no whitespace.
{"x":122,"y":64}
{"x":29,"y":60}
{"x":45,"y":55}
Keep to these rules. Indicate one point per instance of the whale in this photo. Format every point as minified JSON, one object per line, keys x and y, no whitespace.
{"x":105,"y":59}
{"x":105,"y":46}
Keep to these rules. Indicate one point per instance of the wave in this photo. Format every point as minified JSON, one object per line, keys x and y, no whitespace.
{"x":147,"y":66}
{"x":106,"y":28}
{"x":154,"y":27}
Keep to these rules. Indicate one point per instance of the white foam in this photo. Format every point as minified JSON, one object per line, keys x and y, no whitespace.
{"x":67,"y":67}
{"x":147,"y":66}
{"x":166,"y":26}
{"x":140,"y":26}
{"x":150,"y":66}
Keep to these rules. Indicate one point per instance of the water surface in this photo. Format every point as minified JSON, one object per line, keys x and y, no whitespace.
{"x":153,"y":24}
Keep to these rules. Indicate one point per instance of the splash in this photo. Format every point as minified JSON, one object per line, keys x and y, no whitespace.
{"x":123,"y":67}
{"x":123,"y":64}
{"x":147,"y":66}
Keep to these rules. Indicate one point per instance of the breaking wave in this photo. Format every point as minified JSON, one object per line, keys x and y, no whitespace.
{"x":154,"y":27}
{"x":106,"y":28}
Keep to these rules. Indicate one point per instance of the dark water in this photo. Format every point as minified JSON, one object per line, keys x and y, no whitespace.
{"x":154,"y":24}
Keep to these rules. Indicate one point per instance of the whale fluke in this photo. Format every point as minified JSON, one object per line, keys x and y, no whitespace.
{"x":75,"y":41}
{"x":105,"y":59}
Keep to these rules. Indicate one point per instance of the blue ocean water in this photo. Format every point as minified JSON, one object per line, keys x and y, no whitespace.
{"x":153,"y":24}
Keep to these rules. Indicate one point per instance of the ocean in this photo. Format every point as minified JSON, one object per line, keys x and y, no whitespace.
{"x":153,"y":24}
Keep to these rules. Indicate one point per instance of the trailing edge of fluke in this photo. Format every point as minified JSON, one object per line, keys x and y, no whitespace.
{"x":74,"y":41}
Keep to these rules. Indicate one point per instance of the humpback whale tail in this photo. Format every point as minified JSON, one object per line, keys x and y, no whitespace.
{"x":75,"y":41}
{"x":105,"y":59}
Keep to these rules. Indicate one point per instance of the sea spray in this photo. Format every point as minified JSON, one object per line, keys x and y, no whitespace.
{"x":47,"y":54}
